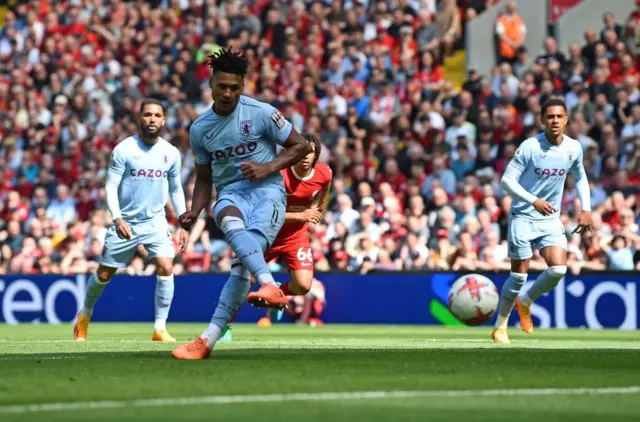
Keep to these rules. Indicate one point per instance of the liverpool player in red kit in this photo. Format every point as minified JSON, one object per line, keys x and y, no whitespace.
{"x":308,"y":187}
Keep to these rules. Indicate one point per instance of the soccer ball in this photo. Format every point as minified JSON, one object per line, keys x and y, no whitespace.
{"x":473,"y":299}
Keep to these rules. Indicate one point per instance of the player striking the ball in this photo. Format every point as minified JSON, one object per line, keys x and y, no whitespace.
{"x":535,"y":179}
{"x":143,"y":171}
{"x":234,"y":145}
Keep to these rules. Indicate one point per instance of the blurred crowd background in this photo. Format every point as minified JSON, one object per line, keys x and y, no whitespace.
{"x":416,"y":160}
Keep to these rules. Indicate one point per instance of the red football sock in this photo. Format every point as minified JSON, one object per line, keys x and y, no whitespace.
{"x":285,"y":288}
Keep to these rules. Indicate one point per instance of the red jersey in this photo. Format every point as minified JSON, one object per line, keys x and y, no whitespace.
{"x":302,"y":193}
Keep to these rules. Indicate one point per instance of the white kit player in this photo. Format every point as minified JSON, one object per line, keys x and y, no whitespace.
{"x":535,"y":179}
{"x":144,"y":170}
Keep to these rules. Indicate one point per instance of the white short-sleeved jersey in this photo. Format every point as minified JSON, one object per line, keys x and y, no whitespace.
{"x":145,"y":170}
{"x":250,"y":133}
{"x":544,"y":168}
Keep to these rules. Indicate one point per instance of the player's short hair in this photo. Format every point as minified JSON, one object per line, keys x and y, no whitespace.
{"x":318,"y":146}
{"x":551,"y":102}
{"x":149,"y":101}
{"x":227,"y":61}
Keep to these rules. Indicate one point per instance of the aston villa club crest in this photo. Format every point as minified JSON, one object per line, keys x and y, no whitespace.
{"x":570,"y":156}
{"x":245,"y":127}
{"x":166,"y":159}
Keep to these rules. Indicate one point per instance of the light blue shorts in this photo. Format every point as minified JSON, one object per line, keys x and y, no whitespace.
{"x":262,"y":209}
{"x":155,"y":237}
{"x":523,"y":234}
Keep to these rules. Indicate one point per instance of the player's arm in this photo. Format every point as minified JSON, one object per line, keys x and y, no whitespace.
{"x":511,"y":182}
{"x":175,"y":187}
{"x":177,"y":197}
{"x":204,"y":181}
{"x":295,"y":148}
{"x":325,"y":197}
{"x":115,"y":171}
{"x":584,"y":194}
{"x":202,"y":188}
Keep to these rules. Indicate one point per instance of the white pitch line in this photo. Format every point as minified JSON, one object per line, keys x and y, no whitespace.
{"x":283,"y":342}
{"x":330,"y":396}
{"x":40,"y":357}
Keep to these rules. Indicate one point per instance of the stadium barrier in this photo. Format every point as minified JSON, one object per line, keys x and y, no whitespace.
{"x":592,"y":300}
{"x":481,"y":37}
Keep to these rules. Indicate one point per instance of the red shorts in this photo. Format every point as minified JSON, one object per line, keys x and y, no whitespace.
{"x":297,"y":257}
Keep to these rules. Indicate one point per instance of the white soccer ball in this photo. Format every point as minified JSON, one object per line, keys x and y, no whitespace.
{"x":473,"y":299}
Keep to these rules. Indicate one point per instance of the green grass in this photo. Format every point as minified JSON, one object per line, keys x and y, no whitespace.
{"x":40,"y":364}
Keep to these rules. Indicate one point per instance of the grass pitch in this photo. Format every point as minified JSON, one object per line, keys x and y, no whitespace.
{"x":334,"y":373}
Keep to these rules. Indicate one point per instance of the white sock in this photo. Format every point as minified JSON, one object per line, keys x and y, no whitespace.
{"x":211,"y":335}
{"x":525,"y":300}
{"x":160,"y":324}
{"x":502,"y":321}
{"x":545,"y":282}
{"x":266,"y":278}
{"x":508,"y":295}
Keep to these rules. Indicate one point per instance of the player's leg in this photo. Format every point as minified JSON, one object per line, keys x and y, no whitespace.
{"x":159,"y":244}
{"x":227,"y":332}
{"x":520,"y":253}
{"x":249,"y":246}
{"x":232,"y":296}
{"x":553,"y":248}
{"x":266,"y":217}
{"x":300,"y":264}
{"x":116,"y":253}
{"x":163,"y":298}
{"x":226,"y":335}
{"x":298,"y":285}
{"x":272,"y":314}
{"x":95,"y":286}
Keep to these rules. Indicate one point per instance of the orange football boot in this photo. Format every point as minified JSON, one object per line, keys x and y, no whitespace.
{"x":162,"y":336}
{"x":268,"y":296}
{"x":264,"y":322}
{"x":525,"y":317}
{"x":500,"y":336}
{"x":81,"y":328}
{"x":196,"y":350}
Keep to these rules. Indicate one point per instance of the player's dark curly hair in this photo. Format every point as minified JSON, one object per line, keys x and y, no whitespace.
{"x":318,"y":146}
{"x":149,"y":101}
{"x":227,"y":61}
{"x":551,"y":102}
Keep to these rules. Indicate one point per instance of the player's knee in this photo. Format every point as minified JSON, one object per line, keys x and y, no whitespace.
{"x":301,"y":284}
{"x":105,"y":274}
{"x":513,"y":285}
{"x":230,"y":223}
{"x":557,"y":271}
{"x":164,"y":270}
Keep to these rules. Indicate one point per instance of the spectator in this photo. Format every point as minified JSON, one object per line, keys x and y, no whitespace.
{"x":448,"y":19}
{"x":511,"y":32}
{"x":445,"y":177}
{"x":415,"y":161}
{"x":62,"y":209}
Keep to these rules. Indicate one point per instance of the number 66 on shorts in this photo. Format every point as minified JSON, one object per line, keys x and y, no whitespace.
{"x":296,"y":258}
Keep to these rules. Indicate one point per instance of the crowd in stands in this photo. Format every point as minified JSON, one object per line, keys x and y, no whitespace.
{"x":416,"y":162}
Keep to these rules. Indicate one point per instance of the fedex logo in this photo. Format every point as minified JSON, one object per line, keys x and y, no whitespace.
{"x":550,"y":172}
{"x":150,"y":173}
